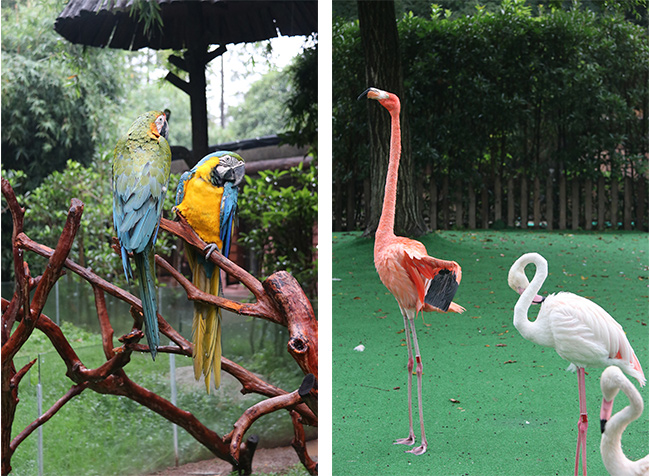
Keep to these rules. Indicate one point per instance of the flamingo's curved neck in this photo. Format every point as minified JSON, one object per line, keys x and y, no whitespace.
{"x":385,"y":229}
{"x":529,"y":330}
{"x":618,"y":422}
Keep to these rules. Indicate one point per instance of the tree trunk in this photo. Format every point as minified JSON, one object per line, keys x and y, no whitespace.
{"x":349,"y":209}
{"x":613,"y":211}
{"x":641,"y":206}
{"x":524,"y":202}
{"x":601,"y":202}
{"x":627,"y":203}
{"x":379,"y":38}
{"x":498,"y":198}
{"x":433,"y":204}
{"x":549,"y":202}
{"x":537,"y":208}
{"x":575,"y":204}
{"x":562,"y":224}
{"x":445,"y":203}
{"x":472,"y":208}
{"x":458,"y":203}
{"x":588,"y":203}
{"x":511,"y":202}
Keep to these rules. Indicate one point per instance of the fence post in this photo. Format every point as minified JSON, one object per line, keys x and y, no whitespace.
{"x":39,"y":399}
{"x":172,"y":382}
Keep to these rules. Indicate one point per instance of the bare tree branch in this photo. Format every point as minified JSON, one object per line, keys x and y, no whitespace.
{"x":279,"y":299}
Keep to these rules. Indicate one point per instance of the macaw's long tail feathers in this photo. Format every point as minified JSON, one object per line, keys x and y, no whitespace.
{"x":206,"y":325}
{"x":144,"y":263}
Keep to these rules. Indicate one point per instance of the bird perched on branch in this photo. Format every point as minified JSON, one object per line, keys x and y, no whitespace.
{"x":141,"y":167}
{"x":418,"y":281}
{"x":581,"y":332}
{"x":207,"y":198}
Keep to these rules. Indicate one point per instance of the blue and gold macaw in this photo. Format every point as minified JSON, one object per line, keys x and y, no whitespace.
{"x":207,"y":198}
{"x":141,"y":167}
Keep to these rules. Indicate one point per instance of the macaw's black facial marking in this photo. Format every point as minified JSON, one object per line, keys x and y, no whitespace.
{"x":230,"y":169}
{"x":442,"y":290}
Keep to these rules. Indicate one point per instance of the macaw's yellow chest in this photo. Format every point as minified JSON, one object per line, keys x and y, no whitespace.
{"x":201,"y":207}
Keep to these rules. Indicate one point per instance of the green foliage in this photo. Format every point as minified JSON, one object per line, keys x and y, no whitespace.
{"x":277,"y":222}
{"x":261,"y":113}
{"x":302,"y":104}
{"x":47,"y":208}
{"x":503,"y":91}
{"x":58,"y":99}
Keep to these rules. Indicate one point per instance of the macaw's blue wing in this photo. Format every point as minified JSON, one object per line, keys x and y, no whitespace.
{"x":137,"y":205}
{"x":227,"y":215}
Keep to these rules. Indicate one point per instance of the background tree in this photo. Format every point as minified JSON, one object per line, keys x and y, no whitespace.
{"x":537,"y":103}
{"x":58,"y":99}
{"x":378,"y":30}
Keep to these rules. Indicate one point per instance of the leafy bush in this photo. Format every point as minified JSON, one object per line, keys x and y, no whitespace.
{"x":47,"y":208}
{"x":58,"y":99}
{"x":278,"y":222}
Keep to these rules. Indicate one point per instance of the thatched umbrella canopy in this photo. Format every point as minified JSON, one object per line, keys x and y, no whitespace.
{"x":188,"y":25}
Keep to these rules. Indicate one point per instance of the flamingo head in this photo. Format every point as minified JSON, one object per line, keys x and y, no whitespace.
{"x":389,"y":100}
{"x":610,"y":383}
{"x":517,"y":279}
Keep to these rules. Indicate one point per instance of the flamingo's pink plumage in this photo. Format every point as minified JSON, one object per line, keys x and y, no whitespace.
{"x":418,"y":281}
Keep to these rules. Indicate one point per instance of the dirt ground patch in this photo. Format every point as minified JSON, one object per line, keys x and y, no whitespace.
{"x":267,"y":460}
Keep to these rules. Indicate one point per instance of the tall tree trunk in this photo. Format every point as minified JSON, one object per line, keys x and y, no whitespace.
{"x":549,"y":202}
{"x":589,"y":215}
{"x":613,"y":211}
{"x":562,"y":186}
{"x":601,"y":202}
{"x":511,"y":202}
{"x":433,"y":204}
{"x":458,"y":203}
{"x":380,"y":42}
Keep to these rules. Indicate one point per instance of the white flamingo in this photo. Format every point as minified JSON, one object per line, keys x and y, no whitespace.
{"x":580,"y":331}
{"x":612,"y":427}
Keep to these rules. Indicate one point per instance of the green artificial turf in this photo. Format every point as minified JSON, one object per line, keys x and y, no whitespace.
{"x":495,"y":404}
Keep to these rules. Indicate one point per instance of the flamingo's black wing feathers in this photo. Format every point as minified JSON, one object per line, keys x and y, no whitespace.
{"x":442,"y":289}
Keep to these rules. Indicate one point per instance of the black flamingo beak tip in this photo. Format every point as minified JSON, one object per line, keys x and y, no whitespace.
{"x":364,"y":94}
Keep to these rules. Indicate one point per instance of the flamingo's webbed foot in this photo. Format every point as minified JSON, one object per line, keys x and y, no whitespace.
{"x":420,"y":450}
{"x":405,"y":441}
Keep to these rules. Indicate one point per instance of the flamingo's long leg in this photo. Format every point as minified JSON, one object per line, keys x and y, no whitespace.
{"x":582,"y":424}
{"x":411,"y":438}
{"x":418,"y":371}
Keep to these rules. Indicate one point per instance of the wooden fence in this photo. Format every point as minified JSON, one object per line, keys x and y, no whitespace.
{"x":551,"y":202}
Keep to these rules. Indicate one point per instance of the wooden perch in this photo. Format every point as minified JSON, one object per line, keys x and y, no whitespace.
{"x":279,"y":299}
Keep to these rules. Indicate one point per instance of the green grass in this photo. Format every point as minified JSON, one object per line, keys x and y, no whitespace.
{"x":104,"y":435}
{"x":516,"y":407}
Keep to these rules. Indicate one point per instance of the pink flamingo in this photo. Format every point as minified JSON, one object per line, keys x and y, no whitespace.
{"x":419,"y":282}
{"x":612,"y":427}
{"x":579,"y":330}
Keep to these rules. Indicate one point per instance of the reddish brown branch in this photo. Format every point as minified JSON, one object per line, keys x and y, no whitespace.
{"x":262,"y":308}
{"x":104,"y":323}
{"x":29,"y":429}
{"x":253,"y":413}
{"x":303,"y":327}
{"x":21,"y":373}
{"x":182,"y":229}
{"x":25,"y":242}
{"x":280,"y":300}
{"x":300,"y":445}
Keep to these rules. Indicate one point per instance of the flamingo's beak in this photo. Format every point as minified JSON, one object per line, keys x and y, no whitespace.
{"x":373,"y":93}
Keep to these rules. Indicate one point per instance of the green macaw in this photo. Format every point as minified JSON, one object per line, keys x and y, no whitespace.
{"x":207,"y":198}
{"x":141,"y":167}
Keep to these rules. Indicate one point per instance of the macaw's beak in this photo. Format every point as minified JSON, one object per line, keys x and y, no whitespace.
{"x":230,"y":169}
